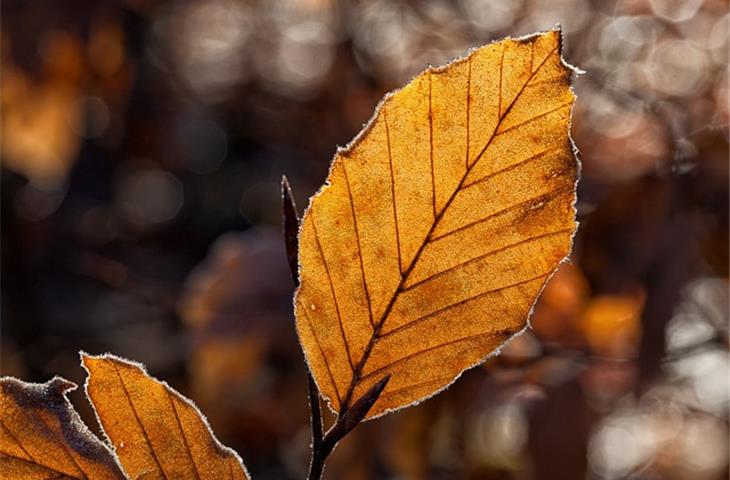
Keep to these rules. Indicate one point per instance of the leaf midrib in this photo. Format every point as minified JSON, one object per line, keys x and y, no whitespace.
{"x":59,"y":473}
{"x":357,"y":373}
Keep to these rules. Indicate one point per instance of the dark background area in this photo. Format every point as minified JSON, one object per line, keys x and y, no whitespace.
{"x":142,"y":147}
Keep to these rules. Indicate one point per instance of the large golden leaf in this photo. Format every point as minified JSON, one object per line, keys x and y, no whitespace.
{"x":156,"y":432}
{"x":42,"y":436}
{"x":439,"y":225}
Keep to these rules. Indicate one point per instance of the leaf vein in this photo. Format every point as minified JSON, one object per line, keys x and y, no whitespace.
{"x":468,"y":111}
{"x":15,"y":439}
{"x":415,"y":386}
{"x":532,"y":56}
{"x":36,"y":419}
{"x":392,"y":190}
{"x":183,"y":433}
{"x":512,"y":167}
{"x":547,"y":80}
{"x":504,"y":210}
{"x":334,"y":295}
{"x":147,"y":439}
{"x":56,"y":473}
{"x":485,"y":255}
{"x":509,"y":108}
{"x":501,"y":76}
{"x":63,"y":444}
{"x":544,"y":114}
{"x":477,"y":336}
{"x":460,"y":302}
{"x":430,"y":140}
{"x":359,"y":246}
{"x":324,"y":357}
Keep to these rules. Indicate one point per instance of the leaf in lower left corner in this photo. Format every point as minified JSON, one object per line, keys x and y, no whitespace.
{"x":156,"y":432}
{"x":42,"y":436}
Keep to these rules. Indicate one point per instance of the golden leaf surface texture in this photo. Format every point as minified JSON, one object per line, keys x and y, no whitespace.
{"x":156,"y":432}
{"x":439,"y":225}
{"x":42,"y":436}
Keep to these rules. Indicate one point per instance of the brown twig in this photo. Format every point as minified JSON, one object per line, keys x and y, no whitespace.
{"x":290,"y":220}
{"x":347,"y":420}
{"x":291,"y":229}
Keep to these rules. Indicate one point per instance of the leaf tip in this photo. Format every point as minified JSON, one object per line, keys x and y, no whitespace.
{"x":91,"y":362}
{"x":290,"y":219}
{"x":61,"y":386}
{"x":88,"y":360}
{"x":55,"y":388}
{"x":287,"y":197}
{"x":285,"y":184}
{"x":381,"y":384}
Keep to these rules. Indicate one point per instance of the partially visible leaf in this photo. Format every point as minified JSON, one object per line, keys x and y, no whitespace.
{"x":439,"y":225}
{"x":612,"y":325}
{"x":562,"y":302}
{"x":236,"y":306}
{"x":42,"y":436}
{"x":38,"y":115}
{"x":156,"y":432}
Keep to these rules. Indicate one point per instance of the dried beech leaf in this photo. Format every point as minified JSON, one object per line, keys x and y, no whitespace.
{"x":439,"y":225}
{"x":156,"y":432}
{"x":42,"y":436}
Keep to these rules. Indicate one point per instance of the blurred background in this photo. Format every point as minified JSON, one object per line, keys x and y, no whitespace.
{"x":142,"y":147}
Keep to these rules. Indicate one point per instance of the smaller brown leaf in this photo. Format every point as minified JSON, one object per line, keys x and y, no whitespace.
{"x":156,"y":432}
{"x":42,"y":436}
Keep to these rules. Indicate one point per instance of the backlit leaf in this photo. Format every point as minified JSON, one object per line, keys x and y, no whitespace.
{"x":42,"y":436}
{"x":156,"y":432}
{"x":439,"y":225}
